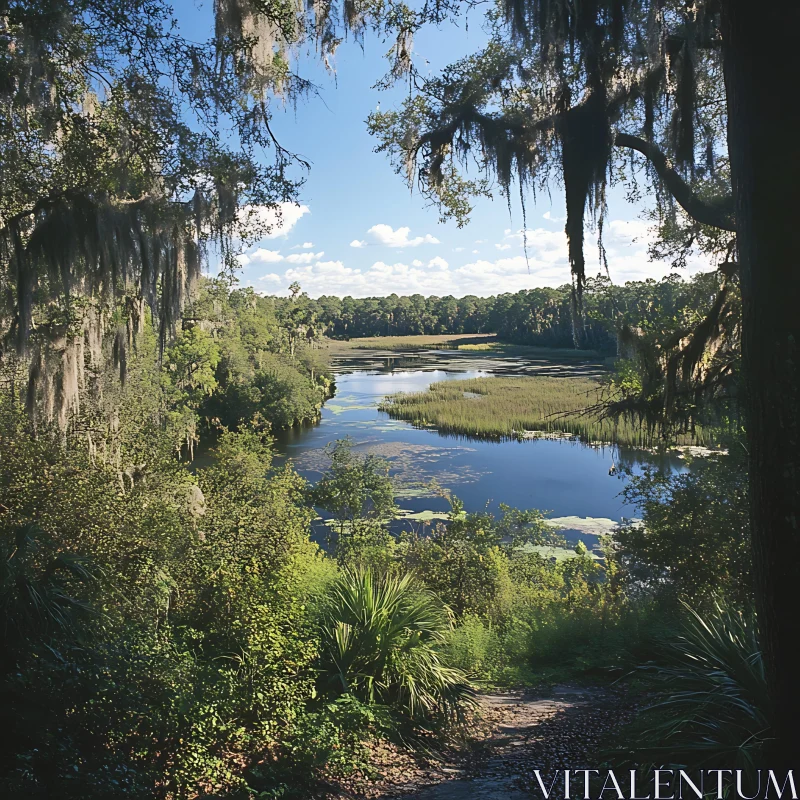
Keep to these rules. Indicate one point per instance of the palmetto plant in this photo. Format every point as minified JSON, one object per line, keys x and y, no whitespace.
{"x":381,"y":640}
{"x":713,"y":709}
{"x":37,"y":587}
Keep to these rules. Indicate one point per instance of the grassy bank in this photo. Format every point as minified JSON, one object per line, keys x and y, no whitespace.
{"x":508,"y":407}
{"x":496,"y":347}
{"x":410,"y":343}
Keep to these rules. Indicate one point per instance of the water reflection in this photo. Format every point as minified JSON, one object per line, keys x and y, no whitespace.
{"x":564,"y":477}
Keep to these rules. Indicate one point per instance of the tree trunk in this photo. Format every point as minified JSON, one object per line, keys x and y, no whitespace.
{"x":762,"y":75}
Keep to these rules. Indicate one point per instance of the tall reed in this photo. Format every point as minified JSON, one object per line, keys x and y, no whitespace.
{"x":505,"y":408}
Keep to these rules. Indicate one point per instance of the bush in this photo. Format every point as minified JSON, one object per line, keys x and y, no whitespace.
{"x":382,"y":641}
{"x":712,"y":709}
{"x":694,"y":540}
{"x":472,"y":646}
{"x":328,"y":742}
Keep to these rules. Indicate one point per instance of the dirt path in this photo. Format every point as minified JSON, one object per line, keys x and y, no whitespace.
{"x":521,"y":732}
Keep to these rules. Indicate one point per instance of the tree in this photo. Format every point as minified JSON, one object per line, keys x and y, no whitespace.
{"x":358,"y":492}
{"x":759,"y":70}
{"x":694,"y":93}
{"x":466,"y":561}
{"x":189,"y":378}
{"x":692,"y":544}
{"x":128,"y":152}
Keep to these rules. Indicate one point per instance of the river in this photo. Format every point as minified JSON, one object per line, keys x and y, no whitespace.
{"x":578,"y":484}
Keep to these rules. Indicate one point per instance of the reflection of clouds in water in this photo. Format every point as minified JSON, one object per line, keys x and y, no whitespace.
{"x":413,"y":467}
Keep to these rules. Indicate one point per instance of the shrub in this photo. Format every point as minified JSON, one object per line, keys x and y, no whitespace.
{"x":381,"y":642}
{"x":712,"y":709}
{"x":473,"y":646}
{"x":330,"y":741}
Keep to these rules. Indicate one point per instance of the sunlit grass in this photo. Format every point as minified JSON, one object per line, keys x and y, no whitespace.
{"x":482,"y":347}
{"x":436,"y":342}
{"x":530,"y":351}
{"x":504,"y":408}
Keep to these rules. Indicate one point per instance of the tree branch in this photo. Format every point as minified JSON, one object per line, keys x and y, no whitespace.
{"x":717,"y":215}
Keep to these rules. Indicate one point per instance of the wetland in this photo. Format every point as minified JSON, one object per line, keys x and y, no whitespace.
{"x":576,"y":483}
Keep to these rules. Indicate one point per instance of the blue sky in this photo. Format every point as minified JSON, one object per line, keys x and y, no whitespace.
{"x":358,"y":229}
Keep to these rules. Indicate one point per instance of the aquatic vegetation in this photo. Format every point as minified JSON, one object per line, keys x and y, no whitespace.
{"x":413,"y":467}
{"x":441,"y":341}
{"x":510,"y":408}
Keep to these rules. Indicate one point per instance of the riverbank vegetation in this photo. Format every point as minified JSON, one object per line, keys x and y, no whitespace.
{"x":514,"y":408}
{"x":411,"y":343}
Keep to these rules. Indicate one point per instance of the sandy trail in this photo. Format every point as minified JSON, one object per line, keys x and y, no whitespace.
{"x":564,"y":729}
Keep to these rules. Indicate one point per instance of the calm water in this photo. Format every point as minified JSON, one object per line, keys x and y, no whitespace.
{"x":565,"y":478}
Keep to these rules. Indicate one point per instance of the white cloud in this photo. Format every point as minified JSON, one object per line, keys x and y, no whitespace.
{"x":458,"y":249}
{"x":307,"y":245}
{"x":475,"y":252}
{"x":357,"y":243}
{"x":264,"y":256}
{"x":273,"y":221}
{"x":386,"y":235}
{"x":633,"y":229}
{"x":550,"y":218}
{"x":542,"y":244}
{"x":503,"y":246}
{"x":304,"y":258}
{"x":626,"y":243}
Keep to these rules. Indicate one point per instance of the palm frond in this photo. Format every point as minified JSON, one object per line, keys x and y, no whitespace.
{"x":381,"y":643}
{"x":713,"y":708}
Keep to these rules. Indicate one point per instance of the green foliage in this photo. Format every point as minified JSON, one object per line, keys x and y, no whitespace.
{"x":36,"y":597}
{"x":127,"y":153}
{"x":712,"y":707}
{"x":259,"y":377}
{"x":693,"y":540}
{"x":466,"y":560}
{"x":359,"y":494}
{"x":197,"y":654}
{"x":327,"y":742}
{"x":189,"y":365}
{"x":473,"y":646}
{"x":380,"y":642}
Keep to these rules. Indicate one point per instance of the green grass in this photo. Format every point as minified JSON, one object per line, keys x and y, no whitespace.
{"x":410,"y":343}
{"x":482,"y":347}
{"x":504,"y":408}
{"x":565,"y":354}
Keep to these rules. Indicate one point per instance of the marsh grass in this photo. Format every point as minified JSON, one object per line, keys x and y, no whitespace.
{"x":507,"y":408}
{"x":411,"y":343}
{"x":563,"y":354}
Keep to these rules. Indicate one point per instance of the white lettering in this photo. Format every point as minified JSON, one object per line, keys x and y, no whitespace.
{"x":771,"y":779}
{"x":659,"y":787}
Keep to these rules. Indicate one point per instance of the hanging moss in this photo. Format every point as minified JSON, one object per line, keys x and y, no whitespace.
{"x":121,"y":257}
{"x":585,"y":152}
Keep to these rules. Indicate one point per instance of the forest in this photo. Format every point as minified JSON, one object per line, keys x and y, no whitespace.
{"x":535,"y":316}
{"x":233,"y":563}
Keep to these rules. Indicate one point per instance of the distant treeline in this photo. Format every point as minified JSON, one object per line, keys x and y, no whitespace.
{"x":534,"y":316}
